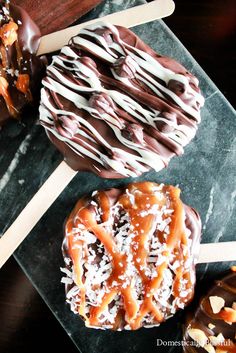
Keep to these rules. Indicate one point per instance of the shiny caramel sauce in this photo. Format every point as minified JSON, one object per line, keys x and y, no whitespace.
{"x":8,"y":39}
{"x":137,"y":202}
{"x":6,"y":96}
{"x":8,"y":33}
{"x":22,"y":84}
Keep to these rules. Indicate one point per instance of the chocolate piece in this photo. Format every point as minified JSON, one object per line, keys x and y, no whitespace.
{"x":20,"y":69}
{"x":214,"y":320}
{"x":130,"y":256}
{"x":130,"y":109}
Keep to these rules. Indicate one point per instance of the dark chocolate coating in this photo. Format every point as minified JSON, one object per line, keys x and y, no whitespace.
{"x":28,"y":37}
{"x":203,"y":316}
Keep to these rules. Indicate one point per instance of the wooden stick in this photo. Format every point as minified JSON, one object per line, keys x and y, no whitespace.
{"x":128,"y":18}
{"x":61,"y":177}
{"x":217,"y":252}
{"x":34,"y":210}
{"x":48,"y":193}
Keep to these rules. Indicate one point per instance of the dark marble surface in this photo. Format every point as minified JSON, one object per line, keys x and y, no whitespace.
{"x":205,"y":173}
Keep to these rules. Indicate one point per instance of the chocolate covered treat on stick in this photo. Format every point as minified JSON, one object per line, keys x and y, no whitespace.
{"x":212,"y":327}
{"x":115,"y":107}
{"x":20,"y":69}
{"x":130,"y":256}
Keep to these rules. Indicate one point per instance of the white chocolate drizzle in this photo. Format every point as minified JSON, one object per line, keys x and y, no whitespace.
{"x":76,"y":78}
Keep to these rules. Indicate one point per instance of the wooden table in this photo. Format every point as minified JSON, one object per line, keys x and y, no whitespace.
{"x":207,"y":29}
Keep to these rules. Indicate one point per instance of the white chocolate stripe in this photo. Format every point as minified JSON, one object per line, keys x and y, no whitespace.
{"x":96,"y":49}
{"x":168,"y":75}
{"x":47,"y":107}
{"x":150,"y":158}
{"x":127,"y":103}
{"x":150,"y":65}
{"x":100,"y":39}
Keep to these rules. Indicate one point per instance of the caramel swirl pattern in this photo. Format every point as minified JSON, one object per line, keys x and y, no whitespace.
{"x":130,"y":256}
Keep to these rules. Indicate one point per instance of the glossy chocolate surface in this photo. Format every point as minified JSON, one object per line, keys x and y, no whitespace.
{"x":18,"y":59}
{"x":215,"y":323}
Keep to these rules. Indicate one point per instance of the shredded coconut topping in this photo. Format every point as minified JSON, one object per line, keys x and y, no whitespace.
{"x":128,"y":258}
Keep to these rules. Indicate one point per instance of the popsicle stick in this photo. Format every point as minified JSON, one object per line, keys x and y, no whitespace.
{"x":128,"y":18}
{"x":217,"y":252}
{"x":34,"y":210}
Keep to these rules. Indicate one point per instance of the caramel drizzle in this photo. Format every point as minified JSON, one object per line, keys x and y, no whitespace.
{"x":143,"y":226}
{"x":6,"y":96}
{"x":9,"y":37}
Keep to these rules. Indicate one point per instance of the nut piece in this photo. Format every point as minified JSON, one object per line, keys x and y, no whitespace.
{"x":228,"y":315}
{"x":8,"y":33}
{"x":217,"y":340}
{"x":211,"y":326}
{"x":209,"y":348}
{"x":217,"y":303}
{"x":198,"y":336}
{"x":234,"y":305}
{"x":233,"y":268}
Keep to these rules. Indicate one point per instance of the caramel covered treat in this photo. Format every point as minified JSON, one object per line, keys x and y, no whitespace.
{"x":115,"y":107}
{"x":20,"y":69}
{"x":213,"y":326}
{"x":130,"y":256}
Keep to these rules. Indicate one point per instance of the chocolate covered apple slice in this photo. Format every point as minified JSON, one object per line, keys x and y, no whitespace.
{"x":115,"y":107}
{"x":130,"y":256}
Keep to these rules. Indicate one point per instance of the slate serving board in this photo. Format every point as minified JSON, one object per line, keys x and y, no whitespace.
{"x":205,"y":173}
